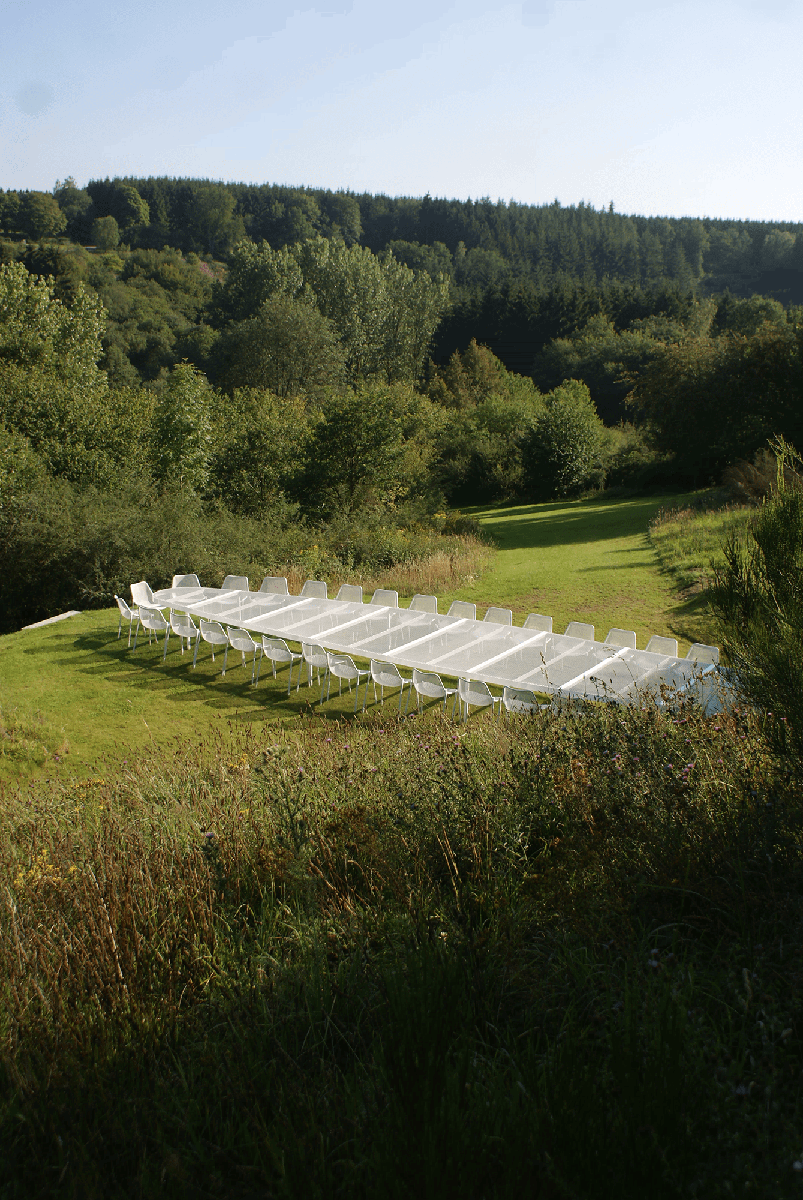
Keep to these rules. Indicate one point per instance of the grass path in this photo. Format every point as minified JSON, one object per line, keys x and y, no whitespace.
{"x":587,"y":560}
{"x":73,"y":698}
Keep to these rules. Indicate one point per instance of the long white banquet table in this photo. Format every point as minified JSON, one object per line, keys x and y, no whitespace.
{"x":552,"y":663}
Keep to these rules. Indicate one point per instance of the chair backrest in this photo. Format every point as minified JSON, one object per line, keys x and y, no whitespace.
{"x":213,"y":631}
{"x":621,"y":637}
{"x":538,"y":621}
{"x":125,"y":611}
{"x":276,"y":649}
{"x":701,"y":653}
{"x":276,"y":584}
{"x":427,"y":683}
{"x":580,"y":629}
{"x":241,"y":639}
{"x":342,"y":666}
{"x":499,"y":616}
{"x":314,"y":654}
{"x":185,"y":581}
{"x":385,"y":597}
{"x":422,"y":603}
{"x":152,"y":618}
{"x":519,"y":700}
{"x":663,"y":645}
{"x":141,"y":593}
{"x":471,"y":691}
{"x":385,"y":674}
{"x":462,"y":608}
{"x":182,"y":624}
{"x":235,"y":583}
{"x":315,"y":588}
{"x":351,"y":592}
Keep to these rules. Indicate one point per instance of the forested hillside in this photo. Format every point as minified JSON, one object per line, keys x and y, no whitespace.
{"x":334,"y":371}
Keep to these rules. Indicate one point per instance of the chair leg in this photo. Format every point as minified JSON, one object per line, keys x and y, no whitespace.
{"x":136,"y":634}
{"x":130,"y":623}
{"x":259,"y":668}
{"x":195,"y":655}
{"x":225,"y":657}
{"x":167,"y":635}
{"x":120,"y":627}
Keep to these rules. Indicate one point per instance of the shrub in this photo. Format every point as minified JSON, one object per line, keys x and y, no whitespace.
{"x":759,"y":599}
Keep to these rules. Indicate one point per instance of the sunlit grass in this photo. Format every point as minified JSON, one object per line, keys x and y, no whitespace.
{"x":581,"y":560}
{"x":588,"y":560}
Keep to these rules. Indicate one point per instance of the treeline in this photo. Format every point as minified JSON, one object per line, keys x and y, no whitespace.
{"x":474,"y":243}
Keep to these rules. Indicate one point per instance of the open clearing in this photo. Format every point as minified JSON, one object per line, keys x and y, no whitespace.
{"x":73,"y":699}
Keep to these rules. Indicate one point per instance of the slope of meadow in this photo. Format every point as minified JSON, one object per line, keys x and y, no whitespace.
{"x":248,"y":952}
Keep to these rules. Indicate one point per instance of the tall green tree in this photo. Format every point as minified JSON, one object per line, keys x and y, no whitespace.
{"x":260,"y":443}
{"x":288,"y":347}
{"x":39,"y":216}
{"x":182,"y":430}
{"x":562,"y":451}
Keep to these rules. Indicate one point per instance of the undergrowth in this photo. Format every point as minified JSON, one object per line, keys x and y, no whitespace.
{"x":559,"y":957}
{"x":689,"y":540}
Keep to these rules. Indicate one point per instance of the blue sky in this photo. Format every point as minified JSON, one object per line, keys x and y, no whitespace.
{"x":661,"y":106}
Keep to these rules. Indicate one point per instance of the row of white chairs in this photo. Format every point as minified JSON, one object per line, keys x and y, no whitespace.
{"x":425,"y":684}
{"x":352,"y":593}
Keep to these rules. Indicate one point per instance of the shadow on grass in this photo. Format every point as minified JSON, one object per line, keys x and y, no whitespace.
{"x":547,"y":525}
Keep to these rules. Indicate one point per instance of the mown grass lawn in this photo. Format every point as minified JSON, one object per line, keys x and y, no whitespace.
{"x":74,"y":698}
{"x":589,"y":560}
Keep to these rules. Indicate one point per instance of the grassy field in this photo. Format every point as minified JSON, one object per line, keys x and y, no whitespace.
{"x":246,"y":953}
{"x":74,"y":699}
{"x":588,"y":560}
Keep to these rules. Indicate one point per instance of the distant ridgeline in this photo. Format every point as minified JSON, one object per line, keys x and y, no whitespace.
{"x":520,"y":276}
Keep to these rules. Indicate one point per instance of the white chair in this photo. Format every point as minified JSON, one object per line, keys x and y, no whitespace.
{"x":701,"y":653}
{"x":343,"y":667}
{"x":538,"y":621}
{"x":387,"y":676}
{"x":184,"y":627}
{"x":213,"y":633}
{"x":352,"y":592}
{"x":422,"y":603}
{"x":430,"y":685}
{"x":580,"y":629}
{"x":462,"y":608}
{"x":471,"y":691}
{"x":499,"y":616}
{"x":663,"y":645}
{"x":275,"y":585}
{"x":152,"y":620}
{"x":385,"y":597}
{"x":185,"y":581}
{"x":621,"y":637}
{"x":141,"y":594}
{"x":315,"y":656}
{"x":277,"y":650}
{"x":518,"y":700}
{"x":235,"y":583}
{"x":126,"y":614}
{"x":240,"y":639}
{"x":315,"y":588}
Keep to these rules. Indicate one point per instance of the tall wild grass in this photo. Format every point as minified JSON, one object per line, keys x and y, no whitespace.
{"x":560,"y":957}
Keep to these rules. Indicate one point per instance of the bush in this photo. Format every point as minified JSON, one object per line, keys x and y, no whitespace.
{"x":759,"y":599}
